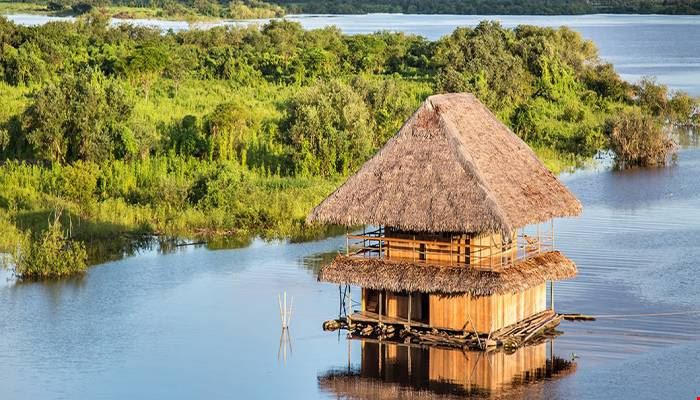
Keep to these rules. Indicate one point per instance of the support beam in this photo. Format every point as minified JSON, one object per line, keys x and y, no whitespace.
{"x":381,"y":305}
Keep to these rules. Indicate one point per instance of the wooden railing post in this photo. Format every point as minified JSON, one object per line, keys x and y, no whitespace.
{"x":413,"y":246}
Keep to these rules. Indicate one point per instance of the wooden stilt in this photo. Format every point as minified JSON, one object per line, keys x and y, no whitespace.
{"x":410,"y":300}
{"x":551,"y":294}
{"x":381,"y":305}
{"x":349,"y":310}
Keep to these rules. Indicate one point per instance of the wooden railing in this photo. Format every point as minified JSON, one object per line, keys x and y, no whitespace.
{"x":494,"y":256}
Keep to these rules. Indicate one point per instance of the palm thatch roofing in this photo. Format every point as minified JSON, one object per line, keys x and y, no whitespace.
{"x":452,"y":167}
{"x":408,"y":276}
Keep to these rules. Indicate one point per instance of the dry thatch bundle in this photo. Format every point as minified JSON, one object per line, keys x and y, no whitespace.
{"x":408,"y":276}
{"x":453,"y":167}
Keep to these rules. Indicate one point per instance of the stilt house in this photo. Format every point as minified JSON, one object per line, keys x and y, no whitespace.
{"x":457,"y":214}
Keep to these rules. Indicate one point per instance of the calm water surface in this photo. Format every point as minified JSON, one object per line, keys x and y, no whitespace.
{"x":664,"y":46}
{"x":200,"y":323}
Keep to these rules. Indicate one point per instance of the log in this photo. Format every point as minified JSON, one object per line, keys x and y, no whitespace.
{"x":331,"y":325}
{"x":578,"y":317}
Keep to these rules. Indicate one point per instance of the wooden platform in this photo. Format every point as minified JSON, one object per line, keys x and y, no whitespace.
{"x":367,"y":325}
{"x":372,"y":317}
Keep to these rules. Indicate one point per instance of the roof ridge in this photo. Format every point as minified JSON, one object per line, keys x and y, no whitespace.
{"x":469,"y":167}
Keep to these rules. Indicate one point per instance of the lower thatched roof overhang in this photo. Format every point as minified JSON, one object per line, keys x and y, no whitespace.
{"x":408,"y":276}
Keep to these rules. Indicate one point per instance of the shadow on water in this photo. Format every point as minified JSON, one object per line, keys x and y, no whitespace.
{"x":388,"y":370}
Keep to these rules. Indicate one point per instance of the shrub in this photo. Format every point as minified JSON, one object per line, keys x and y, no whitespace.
{"x":50,"y":255}
{"x":638,"y":140}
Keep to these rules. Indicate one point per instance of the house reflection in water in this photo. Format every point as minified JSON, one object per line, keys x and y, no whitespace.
{"x":391,"y":370}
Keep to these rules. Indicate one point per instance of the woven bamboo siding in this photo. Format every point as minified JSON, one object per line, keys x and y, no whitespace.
{"x":487,"y":313}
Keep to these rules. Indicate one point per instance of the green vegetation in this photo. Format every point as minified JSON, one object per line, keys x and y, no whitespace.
{"x":49,"y":254}
{"x":639,"y":140}
{"x":240,"y":131}
{"x":188,"y":10}
{"x":494,"y":7}
{"x":244,"y":9}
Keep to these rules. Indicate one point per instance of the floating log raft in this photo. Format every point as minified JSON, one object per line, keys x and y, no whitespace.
{"x":528,"y":331}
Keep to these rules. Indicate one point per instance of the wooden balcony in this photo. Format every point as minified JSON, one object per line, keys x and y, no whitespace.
{"x":489,"y":252}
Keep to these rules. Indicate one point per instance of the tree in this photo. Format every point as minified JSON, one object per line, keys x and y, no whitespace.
{"x":83,"y":117}
{"x":329,"y":130}
{"x":146,"y":63}
{"x":482,"y":61}
{"x":227,"y":131}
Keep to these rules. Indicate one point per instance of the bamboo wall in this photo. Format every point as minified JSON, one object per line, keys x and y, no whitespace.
{"x":482,"y":250}
{"x":455,"y":312}
{"x":486,"y":313}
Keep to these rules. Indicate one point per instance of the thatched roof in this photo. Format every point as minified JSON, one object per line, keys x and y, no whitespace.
{"x":453,"y":167}
{"x":407,"y":276}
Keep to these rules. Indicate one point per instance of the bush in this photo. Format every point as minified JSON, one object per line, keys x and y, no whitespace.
{"x":50,"y":255}
{"x":638,"y":140}
{"x":81,"y":8}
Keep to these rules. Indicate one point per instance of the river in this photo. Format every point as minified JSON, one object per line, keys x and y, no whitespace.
{"x":194,"y":322}
{"x":199,"y":323}
{"x":664,"y":46}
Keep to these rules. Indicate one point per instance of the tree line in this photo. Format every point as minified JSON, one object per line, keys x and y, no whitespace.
{"x":494,"y":7}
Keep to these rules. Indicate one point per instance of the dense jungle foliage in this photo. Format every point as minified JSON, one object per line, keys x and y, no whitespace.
{"x":242,"y":130}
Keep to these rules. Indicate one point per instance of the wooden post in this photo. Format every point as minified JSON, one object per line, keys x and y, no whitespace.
{"x":551,"y":295}
{"x":347,"y":243}
{"x":413,"y":245}
{"x":410,"y":300}
{"x":551,"y":231}
{"x":450,"y":249}
{"x":349,"y":312}
{"x":408,"y":349}
{"x":364,"y":240}
{"x":381,"y":305}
